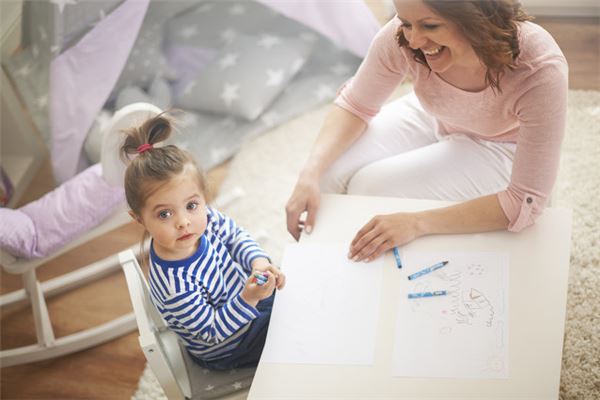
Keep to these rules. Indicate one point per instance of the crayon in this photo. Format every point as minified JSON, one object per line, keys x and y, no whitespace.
{"x":397,"y":257}
{"x":420,"y":295}
{"x":260,"y":279}
{"x":427,"y":270}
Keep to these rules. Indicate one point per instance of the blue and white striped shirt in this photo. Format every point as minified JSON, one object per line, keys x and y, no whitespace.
{"x":199,"y":297}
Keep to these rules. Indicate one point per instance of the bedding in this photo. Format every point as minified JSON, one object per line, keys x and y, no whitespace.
{"x":158,"y":93}
{"x":45,"y":225}
{"x":245,"y":76}
{"x":212,"y":138}
{"x":147,"y":60}
{"x":212,"y":24}
{"x":17,"y":233}
{"x":93,"y":62}
{"x":187,"y":62}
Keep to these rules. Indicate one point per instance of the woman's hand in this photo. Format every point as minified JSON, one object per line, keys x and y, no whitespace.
{"x":381,"y":233}
{"x":340,"y":129}
{"x":305,"y":197}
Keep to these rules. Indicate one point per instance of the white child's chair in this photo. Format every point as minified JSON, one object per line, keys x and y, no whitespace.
{"x":178,"y":375}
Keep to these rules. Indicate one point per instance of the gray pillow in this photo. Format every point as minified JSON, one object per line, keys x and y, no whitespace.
{"x":246,"y":76}
{"x":158,"y":94}
{"x":146,"y":60}
{"x":215,"y":23}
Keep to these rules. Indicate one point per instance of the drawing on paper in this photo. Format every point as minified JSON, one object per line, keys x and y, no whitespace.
{"x":465,"y":305}
{"x":467,"y":328}
{"x":475,"y":308}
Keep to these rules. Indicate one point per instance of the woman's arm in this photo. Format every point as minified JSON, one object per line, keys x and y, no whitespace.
{"x":384,"y":67}
{"x":340,"y":129}
{"x":384,"y":232}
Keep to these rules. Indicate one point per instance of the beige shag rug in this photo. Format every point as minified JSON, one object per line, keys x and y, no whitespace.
{"x":263,"y":173}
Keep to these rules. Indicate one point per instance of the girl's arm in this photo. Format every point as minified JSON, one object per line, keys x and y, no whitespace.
{"x":384,"y":232}
{"x":240,"y":245}
{"x":207,"y":323}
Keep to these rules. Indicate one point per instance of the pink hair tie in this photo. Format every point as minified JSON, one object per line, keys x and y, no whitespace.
{"x":144,"y":147}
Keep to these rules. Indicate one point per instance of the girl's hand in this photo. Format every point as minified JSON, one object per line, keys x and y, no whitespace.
{"x":305,"y":197}
{"x":381,"y":233}
{"x":253,"y":292}
{"x":262,"y":264}
{"x":279,"y":276}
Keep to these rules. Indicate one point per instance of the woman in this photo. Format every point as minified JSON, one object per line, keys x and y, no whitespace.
{"x":483,"y":127}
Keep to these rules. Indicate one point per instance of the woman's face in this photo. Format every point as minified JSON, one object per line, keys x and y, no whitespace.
{"x":441,"y":41}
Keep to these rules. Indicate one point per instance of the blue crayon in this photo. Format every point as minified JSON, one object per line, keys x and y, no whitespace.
{"x":261,"y":279}
{"x":397,"y":257}
{"x":427,"y":270}
{"x":427,"y":294}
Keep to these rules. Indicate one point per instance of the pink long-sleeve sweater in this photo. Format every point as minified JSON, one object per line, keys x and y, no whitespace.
{"x":530,"y":110}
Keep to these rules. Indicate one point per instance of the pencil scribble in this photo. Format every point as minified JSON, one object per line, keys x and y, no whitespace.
{"x":476,"y":307}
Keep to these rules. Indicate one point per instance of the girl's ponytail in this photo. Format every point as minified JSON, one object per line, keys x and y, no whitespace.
{"x":152,"y":131}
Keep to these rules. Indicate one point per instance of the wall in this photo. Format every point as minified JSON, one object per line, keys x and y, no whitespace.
{"x":563,"y":8}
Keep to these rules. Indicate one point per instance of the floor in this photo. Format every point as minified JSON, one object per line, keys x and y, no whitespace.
{"x":112,"y":370}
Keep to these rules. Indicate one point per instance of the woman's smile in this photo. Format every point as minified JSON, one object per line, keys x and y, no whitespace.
{"x":432,"y":51}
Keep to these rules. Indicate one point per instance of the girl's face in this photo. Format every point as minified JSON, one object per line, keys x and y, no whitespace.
{"x":441,"y":41}
{"x":175,"y":216}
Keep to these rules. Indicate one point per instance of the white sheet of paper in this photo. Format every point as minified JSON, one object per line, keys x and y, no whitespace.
{"x":463,"y":334}
{"x":328,"y":311}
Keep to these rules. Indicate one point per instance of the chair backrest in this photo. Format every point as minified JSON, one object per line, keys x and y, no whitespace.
{"x":160,"y":345}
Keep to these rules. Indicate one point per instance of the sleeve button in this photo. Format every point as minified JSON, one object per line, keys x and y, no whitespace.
{"x":529,"y":200}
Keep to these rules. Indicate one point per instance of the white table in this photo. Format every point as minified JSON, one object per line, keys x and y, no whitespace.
{"x":539,"y":263}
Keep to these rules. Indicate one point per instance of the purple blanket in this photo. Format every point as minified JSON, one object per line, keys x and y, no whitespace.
{"x":45,"y":225}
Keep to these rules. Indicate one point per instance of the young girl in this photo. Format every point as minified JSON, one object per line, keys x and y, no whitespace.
{"x":202,"y":264}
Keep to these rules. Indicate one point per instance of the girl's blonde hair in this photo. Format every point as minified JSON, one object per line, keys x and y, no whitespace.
{"x":154,"y":165}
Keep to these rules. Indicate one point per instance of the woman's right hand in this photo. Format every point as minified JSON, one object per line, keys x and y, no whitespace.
{"x":305,"y":197}
{"x":340,"y":129}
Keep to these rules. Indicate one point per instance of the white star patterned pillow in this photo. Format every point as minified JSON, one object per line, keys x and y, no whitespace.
{"x":146,"y":60}
{"x":246,"y":76}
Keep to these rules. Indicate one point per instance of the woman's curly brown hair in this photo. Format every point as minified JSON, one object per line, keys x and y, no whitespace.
{"x":489,"y":25}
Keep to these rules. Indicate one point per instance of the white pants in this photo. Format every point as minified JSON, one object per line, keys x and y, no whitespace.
{"x":401,"y":155}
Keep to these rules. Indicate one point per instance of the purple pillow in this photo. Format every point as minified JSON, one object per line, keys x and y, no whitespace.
{"x":17,"y":233}
{"x":47,"y":224}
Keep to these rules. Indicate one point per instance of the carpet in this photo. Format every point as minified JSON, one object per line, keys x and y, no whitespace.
{"x":263,"y":173}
